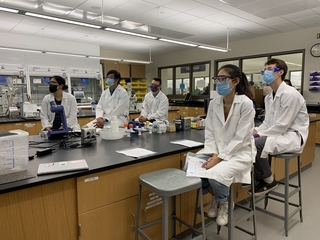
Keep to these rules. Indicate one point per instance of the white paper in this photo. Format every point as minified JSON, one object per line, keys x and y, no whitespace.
{"x":28,"y":107}
{"x":187,"y":143}
{"x":136,"y":152}
{"x":37,"y":80}
{"x":195,"y":169}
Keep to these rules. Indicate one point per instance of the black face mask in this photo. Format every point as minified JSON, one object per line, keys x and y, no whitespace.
{"x":53,"y":88}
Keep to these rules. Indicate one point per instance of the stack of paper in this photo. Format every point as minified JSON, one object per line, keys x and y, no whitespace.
{"x":136,"y":152}
{"x":187,"y":143}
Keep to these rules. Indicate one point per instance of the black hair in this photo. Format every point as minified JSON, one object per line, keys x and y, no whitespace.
{"x":243,"y":86}
{"x":287,"y":81}
{"x":117,"y":75}
{"x":61,"y":80}
{"x":157,"y":79}
{"x":279,"y":64}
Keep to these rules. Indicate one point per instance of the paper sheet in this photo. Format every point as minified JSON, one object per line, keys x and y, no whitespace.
{"x":194,"y":168}
{"x":136,"y":152}
{"x":188,"y":143}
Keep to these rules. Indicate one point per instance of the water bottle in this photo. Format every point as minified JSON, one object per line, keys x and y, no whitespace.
{"x":114,"y":124}
{"x":107,"y":127}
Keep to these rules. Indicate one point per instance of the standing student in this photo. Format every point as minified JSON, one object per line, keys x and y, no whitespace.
{"x":114,"y":101}
{"x":155,"y":105}
{"x":229,"y":146}
{"x":51,"y":120}
{"x":285,"y":127}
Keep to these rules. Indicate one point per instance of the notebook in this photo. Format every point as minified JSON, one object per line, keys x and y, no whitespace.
{"x":59,"y":167}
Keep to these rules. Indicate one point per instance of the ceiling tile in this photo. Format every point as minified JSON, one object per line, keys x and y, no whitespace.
{"x":25,"y":29}
{"x":6,"y":26}
{"x":49,"y":32}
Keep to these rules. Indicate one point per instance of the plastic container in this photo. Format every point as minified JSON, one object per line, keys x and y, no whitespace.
{"x":107,"y":127}
{"x":114,"y":124}
{"x":112,"y":135}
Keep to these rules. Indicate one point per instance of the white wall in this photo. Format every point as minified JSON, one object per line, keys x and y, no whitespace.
{"x":302,"y":39}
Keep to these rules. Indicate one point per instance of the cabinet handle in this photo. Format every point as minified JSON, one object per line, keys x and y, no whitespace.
{"x":134,"y":220}
{"x":145,"y":215}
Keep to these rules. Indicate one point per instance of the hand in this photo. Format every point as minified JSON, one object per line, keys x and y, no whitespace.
{"x":142,"y":119}
{"x":99,"y":123}
{"x":48,"y":128}
{"x":255,"y":132}
{"x":211,"y":162}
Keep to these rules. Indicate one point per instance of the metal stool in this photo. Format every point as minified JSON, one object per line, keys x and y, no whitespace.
{"x":251,"y":212}
{"x":284,"y":197}
{"x":168,"y":183}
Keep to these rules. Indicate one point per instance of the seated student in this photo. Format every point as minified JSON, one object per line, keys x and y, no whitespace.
{"x":51,"y":120}
{"x":114,"y":101}
{"x":288,"y":82}
{"x":155,"y":105}
{"x":285,"y":127}
{"x":229,"y":146}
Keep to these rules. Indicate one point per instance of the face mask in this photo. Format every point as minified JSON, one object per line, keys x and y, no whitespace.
{"x":268,"y":77}
{"x":153,"y":88}
{"x":110,"y":82}
{"x":53,"y":88}
{"x":223,"y":88}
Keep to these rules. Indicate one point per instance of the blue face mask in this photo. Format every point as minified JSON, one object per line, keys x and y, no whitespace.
{"x":268,"y":77}
{"x":223,"y":88}
{"x":110,"y":82}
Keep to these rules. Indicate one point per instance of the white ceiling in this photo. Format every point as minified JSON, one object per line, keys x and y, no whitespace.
{"x":198,"y":21}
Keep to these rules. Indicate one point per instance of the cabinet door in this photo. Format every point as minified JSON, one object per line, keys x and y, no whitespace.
{"x":115,"y":221}
{"x":1,"y":127}
{"x":138,"y":71}
{"x":18,"y":125}
{"x":30,"y":127}
{"x":124,"y":70}
{"x":318,"y":130}
{"x":308,"y":154}
{"x":103,"y":188}
{"x":109,"y":65}
{"x":172,"y":115}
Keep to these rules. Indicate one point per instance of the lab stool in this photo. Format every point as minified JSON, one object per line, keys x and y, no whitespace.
{"x":232,"y":223}
{"x":285,"y":197}
{"x":168,"y":183}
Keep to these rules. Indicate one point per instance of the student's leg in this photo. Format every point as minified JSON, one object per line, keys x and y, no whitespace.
{"x":261,"y":167}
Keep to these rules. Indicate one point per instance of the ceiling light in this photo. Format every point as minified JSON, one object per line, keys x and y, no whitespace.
{"x":61,"y":20}
{"x":215,"y":48}
{"x":20,"y":50}
{"x":105,"y":58}
{"x":8,"y":10}
{"x":130,"y":33}
{"x":177,"y":42}
{"x":65,"y":54}
{"x":136,"y":61}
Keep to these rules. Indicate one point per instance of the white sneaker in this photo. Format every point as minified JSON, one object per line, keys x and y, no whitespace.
{"x":213,"y":211}
{"x":222,"y":218}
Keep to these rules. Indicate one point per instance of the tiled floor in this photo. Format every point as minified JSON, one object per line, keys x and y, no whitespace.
{"x":270,"y":228}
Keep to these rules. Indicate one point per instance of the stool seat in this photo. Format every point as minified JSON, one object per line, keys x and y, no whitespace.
{"x":169,"y":182}
{"x":286,"y":155}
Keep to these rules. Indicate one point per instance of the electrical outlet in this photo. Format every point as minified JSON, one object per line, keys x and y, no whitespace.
{"x":88,"y":135}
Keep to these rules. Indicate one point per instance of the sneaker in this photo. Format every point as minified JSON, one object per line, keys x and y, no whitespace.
{"x":222,"y":218}
{"x":213,"y":211}
{"x":263,"y":188}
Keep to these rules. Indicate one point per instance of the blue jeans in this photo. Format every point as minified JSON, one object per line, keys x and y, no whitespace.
{"x":221,"y":191}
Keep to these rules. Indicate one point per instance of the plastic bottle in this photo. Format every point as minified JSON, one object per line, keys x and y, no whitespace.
{"x":114,"y":124}
{"x":107,"y":127}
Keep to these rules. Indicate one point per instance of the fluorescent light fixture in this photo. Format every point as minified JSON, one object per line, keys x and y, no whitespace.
{"x":8,"y":10}
{"x":136,"y":61}
{"x":215,"y":48}
{"x":177,"y":42}
{"x":20,"y":50}
{"x":224,"y":2}
{"x":130,"y":33}
{"x":65,"y":54}
{"x":105,"y":58}
{"x":61,"y":20}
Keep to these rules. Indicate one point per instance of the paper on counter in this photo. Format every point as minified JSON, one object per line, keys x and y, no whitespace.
{"x":136,"y":152}
{"x":187,"y":143}
{"x":194,"y":168}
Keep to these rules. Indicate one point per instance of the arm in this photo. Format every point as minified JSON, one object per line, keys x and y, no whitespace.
{"x":72,"y":120}
{"x":99,"y":108}
{"x":290,"y":106}
{"x":210,"y":146}
{"x":45,"y":109}
{"x":144,"y":111}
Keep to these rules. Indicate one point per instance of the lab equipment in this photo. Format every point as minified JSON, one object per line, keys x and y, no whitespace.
{"x":58,"y":109}
{"x":114,"y":124}
{"x":132,"y":96}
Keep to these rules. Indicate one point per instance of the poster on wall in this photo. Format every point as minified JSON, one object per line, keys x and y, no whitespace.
{"x":314,"y":80}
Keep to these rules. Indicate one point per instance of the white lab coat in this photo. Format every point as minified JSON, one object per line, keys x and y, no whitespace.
{"x":155,"y":107}
{"x":286,"y":121}
{"x":116,"y":104}
{"x":70,"y":109}
{"x":231,"y":140}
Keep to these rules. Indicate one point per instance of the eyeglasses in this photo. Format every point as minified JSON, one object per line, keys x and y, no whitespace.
{"x":270,"y":69}
{"x":221,"y":79}
{"x":155,"y":85}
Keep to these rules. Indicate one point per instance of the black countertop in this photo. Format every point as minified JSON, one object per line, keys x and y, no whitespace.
{"x":101,"y":155}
